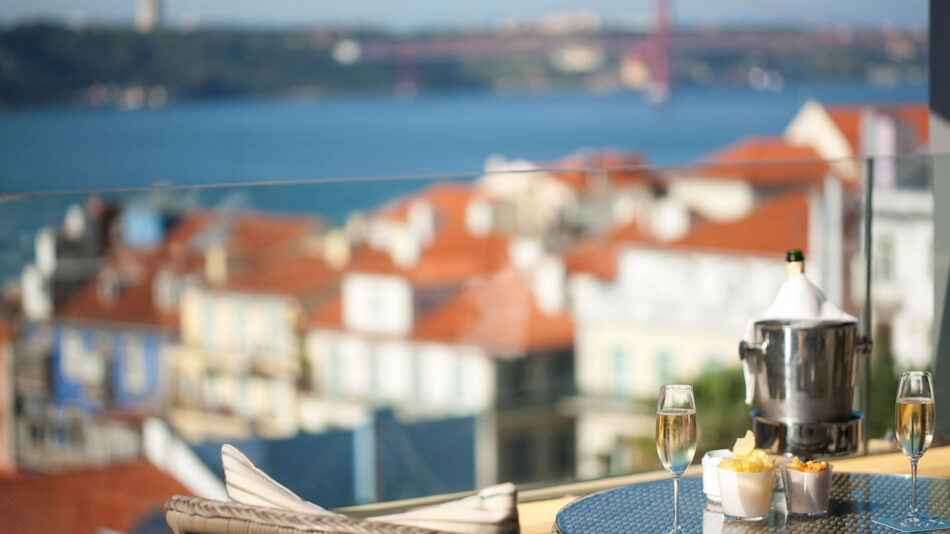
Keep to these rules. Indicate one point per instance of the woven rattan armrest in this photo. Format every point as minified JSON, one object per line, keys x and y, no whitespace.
{"x":194,"y":515}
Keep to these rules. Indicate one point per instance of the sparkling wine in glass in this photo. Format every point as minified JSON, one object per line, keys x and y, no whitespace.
{"x":676,"y":436}
{"x":914,"y":427}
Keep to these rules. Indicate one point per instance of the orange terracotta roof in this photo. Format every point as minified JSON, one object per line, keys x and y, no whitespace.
{"x":448,"y":199}
{"x":448,"y":260}
{"x":298,"y":275}
{"x":116,"y":498}
{"x":328,"y":314}
{"x":260,"y":234}
{"x":136,"y":269}
{"x":593,"y":256}
{"x":6,"y":331}
{"x":254,"y":240}
{"x":766,"y":161}
{"x":773,"y":227}
{"x":370,"y":260}
{"x":500,"y":314}
{"x":848,"y":120}
{"x":453,"y":258}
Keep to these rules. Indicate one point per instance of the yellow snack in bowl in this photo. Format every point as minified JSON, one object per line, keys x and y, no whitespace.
{"x":744,"y":445}
{"x":746,"y":458}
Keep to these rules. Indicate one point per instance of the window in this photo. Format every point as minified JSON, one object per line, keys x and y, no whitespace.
{"x":516,"y":379}
{"x":187,"y":391}
{"x":518,"y":458}
{"x":417,"y":386}
{"x":209,"y":326}
{"x":167,"y":290}
{"x":564,"y":373}
{"x":334,"y":371}
{"x":244,"y":397}
{"x":618,"y":373}
{"x":276,"y":329}
{"x":563,"y":451}
{"x":93,"y":361}
{"x":458,"y":378}
{"x":664,"y":366}
{"x":135,"y":366}
{"x":273,"y":398}
{"x":885,"y":259}
{"x":375,"y":380}
{"x":241,"y":328}
{"x":211,"y":391}
{"x":72,"y":354}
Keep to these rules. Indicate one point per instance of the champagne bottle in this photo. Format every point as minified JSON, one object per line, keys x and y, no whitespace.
{"x":794,"y":262}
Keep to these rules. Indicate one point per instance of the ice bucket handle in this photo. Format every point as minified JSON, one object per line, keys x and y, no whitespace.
{"x":750,"y":353}
{"x":747,"y":349}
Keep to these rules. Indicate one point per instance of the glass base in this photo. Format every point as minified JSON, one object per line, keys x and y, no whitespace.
{"x":808,"y":514}
{"x":754,"y":518}
{"x":921,"y":521}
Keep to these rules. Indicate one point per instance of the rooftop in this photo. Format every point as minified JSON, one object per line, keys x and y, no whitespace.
{"x":766,"y":161}
{"x":499,"y":313}
{"x":116,"y":498}
{"x":848,"y":120}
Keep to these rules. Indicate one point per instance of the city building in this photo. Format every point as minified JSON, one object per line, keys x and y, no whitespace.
{"x":650,"y":312}
{"x":87,"y":377}
{"x":476,"y":324}
{"x":237,"y":366}
{"x":384,"y":459}
{"x":582,"y":192}
{"x":67,"y":258}
{"x":890,"y":136}
{"x":902,"y":269}
{"x":879,"y":132}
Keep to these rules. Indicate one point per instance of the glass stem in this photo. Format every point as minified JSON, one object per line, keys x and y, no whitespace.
{"x":676,"y":502}
{"x":913,"y":488}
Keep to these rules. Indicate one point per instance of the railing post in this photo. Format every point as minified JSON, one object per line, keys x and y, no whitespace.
{"x":866,"y":313}
{"x":939,"y":140}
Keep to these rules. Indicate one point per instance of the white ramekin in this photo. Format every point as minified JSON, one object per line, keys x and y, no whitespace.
{"x":710,"y":478}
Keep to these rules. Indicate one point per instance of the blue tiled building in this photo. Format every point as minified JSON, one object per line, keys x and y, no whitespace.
{"x":384,"y":460}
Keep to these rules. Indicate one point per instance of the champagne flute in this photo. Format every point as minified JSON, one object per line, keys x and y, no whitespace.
{"x":676,"y":437}
{"x":914,"y":427}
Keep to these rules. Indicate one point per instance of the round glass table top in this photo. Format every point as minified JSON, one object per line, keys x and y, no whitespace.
{"x":855,"y":500}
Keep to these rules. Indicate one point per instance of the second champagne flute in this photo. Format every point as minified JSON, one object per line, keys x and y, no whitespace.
{"x":914,"y":426}
{"x":676,"y":436}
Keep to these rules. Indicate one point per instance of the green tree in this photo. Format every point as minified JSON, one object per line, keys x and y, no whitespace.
{"x":721,"y":412}
{"x":883,"y":388}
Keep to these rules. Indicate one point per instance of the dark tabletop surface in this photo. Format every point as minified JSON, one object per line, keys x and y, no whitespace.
{"x":855,"y":500}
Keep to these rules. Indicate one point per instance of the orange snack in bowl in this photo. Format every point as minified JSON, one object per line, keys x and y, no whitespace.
{"x":811,"y":466}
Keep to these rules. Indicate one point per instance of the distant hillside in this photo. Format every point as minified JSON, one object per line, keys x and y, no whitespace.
{"x":118,"y":66}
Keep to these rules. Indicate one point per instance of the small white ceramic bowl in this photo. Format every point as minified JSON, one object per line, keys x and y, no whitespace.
{"x":745,"y":496}
{"x":710,"y":477}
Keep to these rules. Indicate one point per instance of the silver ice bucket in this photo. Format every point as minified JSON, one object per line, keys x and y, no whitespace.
{"x":804,"y":370}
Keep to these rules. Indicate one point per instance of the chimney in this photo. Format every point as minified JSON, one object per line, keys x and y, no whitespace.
{"x":216,"y":264}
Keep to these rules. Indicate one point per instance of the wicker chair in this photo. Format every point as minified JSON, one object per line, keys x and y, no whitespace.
{"x":194,"y":515}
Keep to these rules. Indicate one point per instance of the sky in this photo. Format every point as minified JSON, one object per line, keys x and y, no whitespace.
{"x":407,"y":15}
